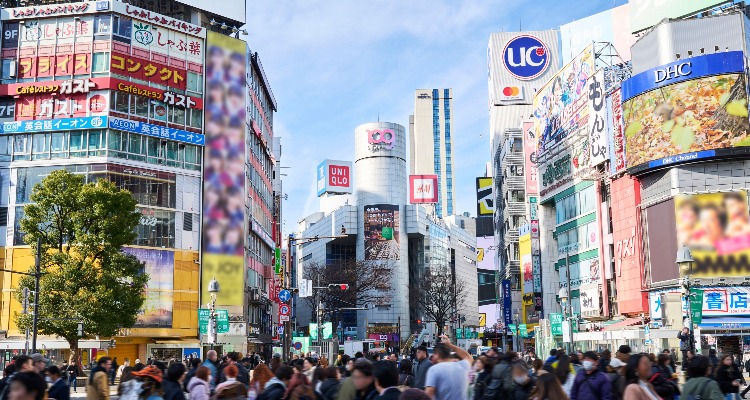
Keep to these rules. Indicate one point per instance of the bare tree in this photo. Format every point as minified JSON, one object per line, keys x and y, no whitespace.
{"x":369,"y":283}
{"x":438,"y":295}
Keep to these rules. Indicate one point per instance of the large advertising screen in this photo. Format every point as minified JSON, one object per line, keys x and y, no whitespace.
{"x":561,"y":106}
{"x":157,"y":308}
{"x":524,"y":248}
{"x":647,"y":13}
{"x":716,"y":228}
{"x":485,"y":197}
{"x":382,"y":232}
{"x":685,"y":111}
{"x":224,"y":171}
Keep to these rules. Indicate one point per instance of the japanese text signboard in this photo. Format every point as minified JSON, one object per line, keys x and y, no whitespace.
{"x":148,"y":36}
{"x":146,"y":70}
{"x":156,"y":131}
{"x":62,"y":124}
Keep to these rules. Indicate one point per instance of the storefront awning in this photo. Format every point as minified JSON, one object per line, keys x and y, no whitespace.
{"x":623,"y":324}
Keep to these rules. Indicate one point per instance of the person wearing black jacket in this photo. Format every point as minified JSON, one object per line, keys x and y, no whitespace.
{"x":194,"y":364}
{"x":276,"y":387}
{"x":171,"y":386}
{"x":686,"y":341}
{"x":242,"y":374}
{"x":728,"y":376}
{"x":329,"y":387}
{"x":59,"y":389}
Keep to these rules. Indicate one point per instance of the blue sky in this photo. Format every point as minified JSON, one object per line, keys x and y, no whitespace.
{"x":333,"y":65}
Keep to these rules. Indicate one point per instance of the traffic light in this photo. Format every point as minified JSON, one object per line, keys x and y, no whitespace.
{"x":338,"y":286}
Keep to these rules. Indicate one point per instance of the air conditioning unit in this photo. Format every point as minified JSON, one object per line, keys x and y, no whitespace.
{"x":254,"y":294}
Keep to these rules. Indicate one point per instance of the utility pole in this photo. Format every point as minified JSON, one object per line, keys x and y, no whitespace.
{"x":37,"y":277}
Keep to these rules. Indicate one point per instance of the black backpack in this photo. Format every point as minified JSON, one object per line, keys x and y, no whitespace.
{"x":494,"y":388}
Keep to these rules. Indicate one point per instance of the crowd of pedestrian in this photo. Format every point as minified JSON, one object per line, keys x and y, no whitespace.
{"x":447,"y":373}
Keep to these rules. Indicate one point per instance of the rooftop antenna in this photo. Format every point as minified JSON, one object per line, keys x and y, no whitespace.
{"x":520,"y":19}
{"x":378,"y":116}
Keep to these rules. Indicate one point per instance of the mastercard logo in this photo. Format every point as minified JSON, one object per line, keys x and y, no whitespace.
{"x":511,"y":91}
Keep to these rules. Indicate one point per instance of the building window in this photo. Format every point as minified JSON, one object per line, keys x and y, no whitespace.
{"x":100,"y":62}
{"x":187,"y":222}
{"x":194,"y":82}
{"x":575,"y":205}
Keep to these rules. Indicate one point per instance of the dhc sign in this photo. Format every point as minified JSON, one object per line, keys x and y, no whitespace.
{"x":526,"y":57}
{"x":683,"y":70}
{"x":674,"y":71}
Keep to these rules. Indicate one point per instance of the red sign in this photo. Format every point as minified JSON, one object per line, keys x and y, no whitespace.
{"x":284,"y":310}
{"x":626,"y":196}
{"x":46,"y":106}
{"x":59,"y":65}
{"x":146,"y":70}
{"x":423,"y":189}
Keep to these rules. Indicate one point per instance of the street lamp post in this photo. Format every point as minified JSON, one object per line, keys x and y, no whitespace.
{"x":684,"y":262}
{"x":213,"y":289}
{"x":518,"y":330}
{"x":565,"y":303}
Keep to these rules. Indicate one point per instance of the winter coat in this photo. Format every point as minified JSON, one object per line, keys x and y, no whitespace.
{"x":172,"y":390}
{"x":274,"y":390}
{"x":522,"y":392}
{"x":98,"y":386}
{"x":329,"y":389}
{"x":593,"y":386}
{"x":618,"y":384}
{"x":198,"y":389}
{"x":725,"y":375}
{"x":230,"y":390}
{"x":703,"y":386}
{"x":420,"y":373}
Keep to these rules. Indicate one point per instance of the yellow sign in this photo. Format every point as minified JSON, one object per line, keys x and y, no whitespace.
{"x":482,"y":319}
{"x":229,"y":272}
{"x":480,"y":255}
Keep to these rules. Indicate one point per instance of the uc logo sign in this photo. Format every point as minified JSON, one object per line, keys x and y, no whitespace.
{"x":526,"y":57}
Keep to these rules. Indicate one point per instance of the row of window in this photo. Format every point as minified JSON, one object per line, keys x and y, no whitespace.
{"x":575,"y":205}
{"x":578,"y":239}
{"x":448,"y":156}
{"x":154,"y":110}
{"x":99,"y":143}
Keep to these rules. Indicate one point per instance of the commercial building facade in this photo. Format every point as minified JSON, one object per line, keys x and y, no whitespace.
{"x":110,"y":90}
{"x":430,"y":144}
{"x":382,"y":228}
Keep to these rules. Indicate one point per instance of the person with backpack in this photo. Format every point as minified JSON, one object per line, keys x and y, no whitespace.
{"x":615,"y":375}
{"x":500,"y":383}
{"x":405,"y":377}
{"x":699,"y":385}
{"x":592,"y":384}
{"x":329,"y":388}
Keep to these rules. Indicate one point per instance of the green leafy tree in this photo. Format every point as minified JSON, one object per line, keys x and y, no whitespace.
{"x":85,"y":277}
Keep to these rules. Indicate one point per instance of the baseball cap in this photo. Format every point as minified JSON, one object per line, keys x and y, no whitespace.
{"x":37,"y":357}
{"x":150,"y":371}
{"x":276,"y":355}
{"x":616,"y":363}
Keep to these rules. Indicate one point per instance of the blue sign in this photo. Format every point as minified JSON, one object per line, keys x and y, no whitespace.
{"x":102,"y":5}
{"x":191,"y":352}
{"x":683,"y":70}
{"x":507,"y":303}
{"x":526,"y":57}
{"x":50,"y":125}
{"x":322,"y":178}
{"x":284,"y":295}
{"x":297,"y":345}
{"x":157,"y":131}
{"x":681,"y":158}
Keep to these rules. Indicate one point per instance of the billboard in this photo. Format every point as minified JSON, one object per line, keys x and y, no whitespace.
{"x":598,"y":124}
{"x":526,"y":57}
{"x":716,"y":228}
{"x":530,"y":170}
{"x":617,"y":133}
{"x":486,"y":252}
{"x":224,"y":212}
{"x":610,"y":26}
{"x":524,"y":248}
{"x":684,"y":111}
{"x":647,"y":13}
{"x":561,"y":105}
{"x":334,"y":177}
{"x":627,"y":236}
{"x":423,"y":189}
{"x":157,"y":308}
{"x":485,"y":197}
{"x":382,"y":226}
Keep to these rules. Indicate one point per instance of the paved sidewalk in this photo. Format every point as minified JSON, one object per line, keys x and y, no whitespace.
{"x":81,"y":393}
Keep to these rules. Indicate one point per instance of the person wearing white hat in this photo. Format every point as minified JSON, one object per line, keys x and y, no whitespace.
{"x":615,"y":375}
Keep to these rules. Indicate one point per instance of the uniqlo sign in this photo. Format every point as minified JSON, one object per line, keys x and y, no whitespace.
{"x":423,"y":189}
{"x":334,"y":177}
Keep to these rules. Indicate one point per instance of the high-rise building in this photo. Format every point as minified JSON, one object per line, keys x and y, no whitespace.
{"x":430,"y":143}
{"x":119,"y":90}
